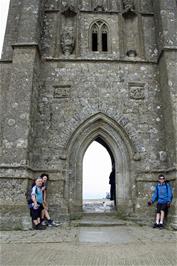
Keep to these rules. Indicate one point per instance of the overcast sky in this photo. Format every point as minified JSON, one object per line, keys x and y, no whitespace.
{"x":97,"y":162}
{"x":96,"y":171}
{"x":4,"y":5}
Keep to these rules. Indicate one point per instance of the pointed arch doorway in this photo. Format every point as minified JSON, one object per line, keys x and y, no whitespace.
{"x":98,"y":178}
{"x":111,"y":134}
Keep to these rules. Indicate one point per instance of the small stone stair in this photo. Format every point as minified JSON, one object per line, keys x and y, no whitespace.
{"x":100,"y":219}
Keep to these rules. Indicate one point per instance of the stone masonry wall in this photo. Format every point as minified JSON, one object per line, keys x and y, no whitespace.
{"x":126,"y":90}
{"x":53,"y":83}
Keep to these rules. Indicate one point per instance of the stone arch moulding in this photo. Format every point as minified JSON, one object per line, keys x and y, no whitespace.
{"x":114,"y":136}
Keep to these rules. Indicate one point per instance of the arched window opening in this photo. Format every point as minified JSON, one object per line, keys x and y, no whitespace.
{"x":99,"y":37}
{"x":94,"y":38}
{"x":104,"y":33}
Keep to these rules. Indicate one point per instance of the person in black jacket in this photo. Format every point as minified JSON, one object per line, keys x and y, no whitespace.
{"x":112,"y":183}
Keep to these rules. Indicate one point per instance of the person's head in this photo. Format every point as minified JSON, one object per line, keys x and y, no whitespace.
{"x":38,"y":181}
{"x":45,"y":177}
{"x":161,"y":178}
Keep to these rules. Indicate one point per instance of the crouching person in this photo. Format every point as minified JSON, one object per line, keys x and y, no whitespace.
{"x":37,"y":204}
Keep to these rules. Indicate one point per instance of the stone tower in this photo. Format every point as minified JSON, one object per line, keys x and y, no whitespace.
{"x":77,"y":71}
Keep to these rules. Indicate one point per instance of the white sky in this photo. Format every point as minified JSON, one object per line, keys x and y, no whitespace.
{"x":96,"y":170}
{"x":4,"y":5}
{"x":97,"y":162}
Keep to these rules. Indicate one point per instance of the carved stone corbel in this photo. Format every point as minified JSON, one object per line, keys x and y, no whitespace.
{"x":131,"y":53}
{"x":137,"y":156}
{"x":99,"y":8}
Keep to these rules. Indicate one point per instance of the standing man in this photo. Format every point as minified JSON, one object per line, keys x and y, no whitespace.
{"x":163,"y":195}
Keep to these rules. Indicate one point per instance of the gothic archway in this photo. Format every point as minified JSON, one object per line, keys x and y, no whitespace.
{"x":104,"y":128}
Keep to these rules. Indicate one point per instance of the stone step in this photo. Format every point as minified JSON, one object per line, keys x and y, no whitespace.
{"x":101,"y":219}
{"x":92,"y":223}
{"x":100,"y":214}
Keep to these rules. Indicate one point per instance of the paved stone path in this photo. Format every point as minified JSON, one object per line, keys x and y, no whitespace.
{"x":67,"y":245}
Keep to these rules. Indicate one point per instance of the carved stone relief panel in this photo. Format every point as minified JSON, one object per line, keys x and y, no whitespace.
{"x":52,"y":4}
{"x":147,"y":5}
{"x":136,"y":91}
{"x":62,"y":91}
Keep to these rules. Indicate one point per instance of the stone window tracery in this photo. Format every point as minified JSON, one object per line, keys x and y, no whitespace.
{"x":99,"y":36}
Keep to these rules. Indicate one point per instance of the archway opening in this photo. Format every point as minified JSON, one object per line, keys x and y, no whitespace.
{"x":110,"y":134}
{"x":98,"y":163}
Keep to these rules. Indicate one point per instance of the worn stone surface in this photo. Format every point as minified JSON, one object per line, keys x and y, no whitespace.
{"x":68,"y":245}
{"x":58,"y":95}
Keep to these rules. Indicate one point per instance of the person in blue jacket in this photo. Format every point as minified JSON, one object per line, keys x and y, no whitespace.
{"x":163,"y":196}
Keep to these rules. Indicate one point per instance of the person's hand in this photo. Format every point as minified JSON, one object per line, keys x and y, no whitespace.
{"x":168,"y":204}
{"x":45,"y":205}
{"x":149,"y":202}
{"x":36,"y":206}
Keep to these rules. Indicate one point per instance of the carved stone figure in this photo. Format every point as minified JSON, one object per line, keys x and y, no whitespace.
{"x":99,"y":6}
{"x":67,"y":42}
{"x":69,"y":11}
{"x":128,"y":4}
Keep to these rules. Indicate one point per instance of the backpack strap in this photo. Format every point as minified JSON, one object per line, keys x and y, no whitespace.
{"x":166,"y":187}
{"x":157,"y":191}
{"x":169,"y":190}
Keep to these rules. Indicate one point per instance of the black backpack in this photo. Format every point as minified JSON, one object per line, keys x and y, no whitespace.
{"x":28,"y":193}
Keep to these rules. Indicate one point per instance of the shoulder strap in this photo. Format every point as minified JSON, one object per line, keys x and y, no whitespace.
{"x":157,"y":191}
{"x":166,"y":187}
{"x":169,"y":189}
